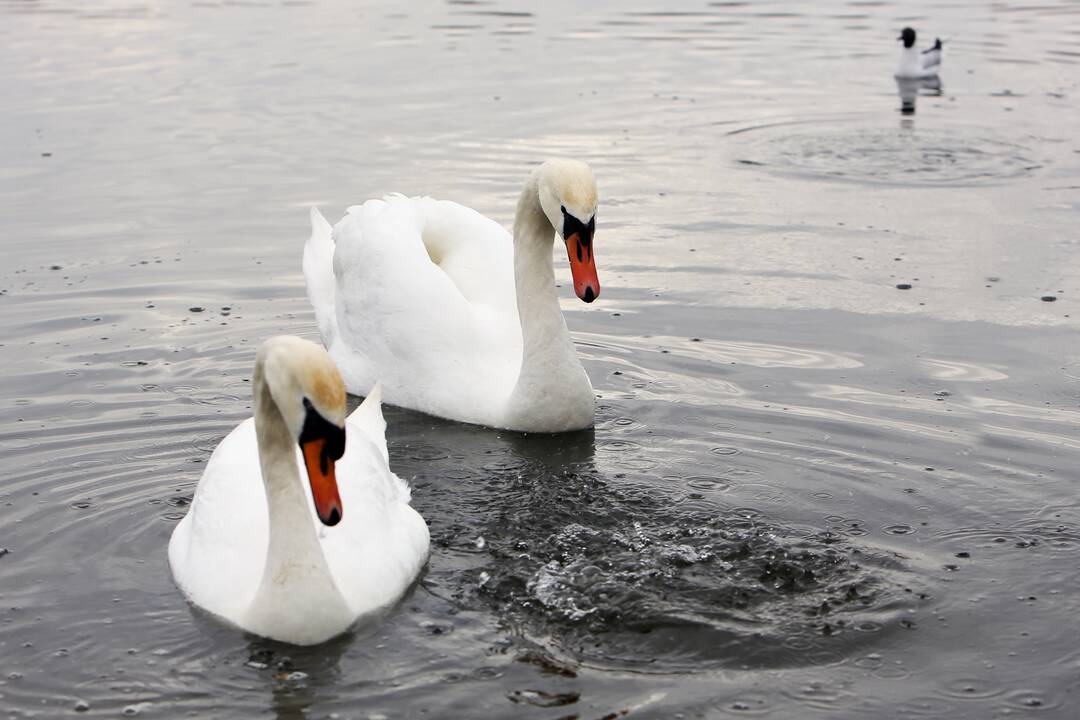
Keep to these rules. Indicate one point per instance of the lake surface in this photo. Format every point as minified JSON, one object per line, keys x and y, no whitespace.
{"x":809,"y":493}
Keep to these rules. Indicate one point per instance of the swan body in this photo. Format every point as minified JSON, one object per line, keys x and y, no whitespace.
{"x":455,"y":316}
{"x":259,"y":551}
{"x":916,"y":64}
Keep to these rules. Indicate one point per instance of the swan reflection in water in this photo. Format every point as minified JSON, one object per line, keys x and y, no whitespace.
{"x":298,"y":678}
{"x":909,"y":90}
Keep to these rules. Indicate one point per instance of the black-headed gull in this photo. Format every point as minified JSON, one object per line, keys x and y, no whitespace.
{"x":915,"y":63}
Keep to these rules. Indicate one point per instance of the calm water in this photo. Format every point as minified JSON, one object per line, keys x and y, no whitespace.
{"x":809,"y":493}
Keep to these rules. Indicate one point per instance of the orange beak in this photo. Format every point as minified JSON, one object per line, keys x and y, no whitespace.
{"x":320,"y":470}
{"x":583,"y":267}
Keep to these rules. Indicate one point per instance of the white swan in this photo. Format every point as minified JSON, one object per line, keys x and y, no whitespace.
{"x":455,"y":317}
{"x":264,"y":566}
{"x":915,"y":64}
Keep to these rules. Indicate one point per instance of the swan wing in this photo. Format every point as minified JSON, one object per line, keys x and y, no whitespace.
{"x":381,"y":545}
{"x":368,"y":418}
{"x":218,"y":550}
{"x":425,"y":304}
{"x":319,"y":276}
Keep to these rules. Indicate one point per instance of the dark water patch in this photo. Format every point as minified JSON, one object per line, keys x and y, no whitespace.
{"x":615,"y":576}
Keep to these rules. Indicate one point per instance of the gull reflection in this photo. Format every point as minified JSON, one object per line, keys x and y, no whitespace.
{"x":909,"y":90}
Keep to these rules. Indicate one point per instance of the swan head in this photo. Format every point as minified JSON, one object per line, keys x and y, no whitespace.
{"x":568,"y":197}
{"x":908,"y":36}
{"x":309,"y":394}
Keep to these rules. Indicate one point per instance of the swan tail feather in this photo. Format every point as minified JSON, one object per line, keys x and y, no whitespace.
{"x":319,"y":276}
{"x":368,"y":416}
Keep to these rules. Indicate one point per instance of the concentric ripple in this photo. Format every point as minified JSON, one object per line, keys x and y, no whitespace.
{"x":895,"y":155}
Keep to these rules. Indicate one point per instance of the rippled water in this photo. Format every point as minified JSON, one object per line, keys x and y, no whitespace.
{"x":810,"y":493}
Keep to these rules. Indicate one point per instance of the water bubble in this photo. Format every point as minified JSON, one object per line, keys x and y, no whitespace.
{"x":708,"y":483}
{"x":620,"y":446}
{"x":869,"y":662}
{"x":260,"y":659}
{"x":435,"y":628}
{"x":540,"y":698}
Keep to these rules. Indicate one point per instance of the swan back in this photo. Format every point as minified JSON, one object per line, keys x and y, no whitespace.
{"x":417,"y":299}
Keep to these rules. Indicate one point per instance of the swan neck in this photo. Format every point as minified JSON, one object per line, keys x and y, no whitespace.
{"x":543,"y":328}
{"x":294,"y":554}
{"x":552,"y":391}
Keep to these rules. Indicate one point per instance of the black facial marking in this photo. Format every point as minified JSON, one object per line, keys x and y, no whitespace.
{"x":908,"y":36}
{"x":316,"y":427}
{"x":584,"y":232}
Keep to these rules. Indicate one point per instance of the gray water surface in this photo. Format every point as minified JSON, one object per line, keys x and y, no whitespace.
{"x":809,"y":493}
